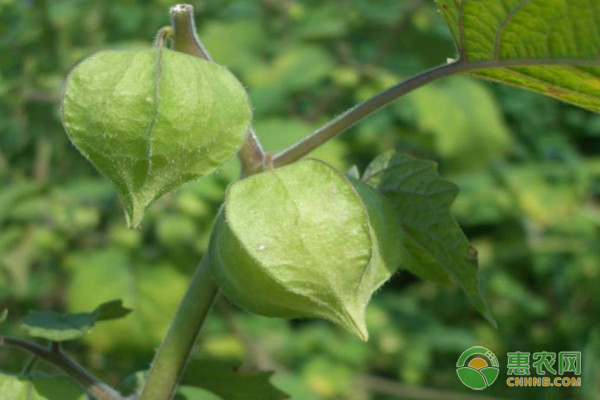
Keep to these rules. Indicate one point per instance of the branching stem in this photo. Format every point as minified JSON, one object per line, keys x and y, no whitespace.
{"x":362,"y":110}
{"x":172,"y":356}
{"x":98,"y":389}
{"x":169,"y":363}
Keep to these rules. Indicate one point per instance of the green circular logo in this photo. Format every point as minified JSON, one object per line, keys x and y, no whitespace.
{"x":477,"y":368}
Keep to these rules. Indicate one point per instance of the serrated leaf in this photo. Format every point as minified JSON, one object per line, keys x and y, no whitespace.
{"x":225,"y":380}
{"x":59,"y":327}
{"x":153,"y":120}
{"x":39,"y":387}
{"x":548,"y":46}
{"x":435,"y":247}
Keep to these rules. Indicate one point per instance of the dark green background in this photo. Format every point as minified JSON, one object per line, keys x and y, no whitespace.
{"x":528,"y":168}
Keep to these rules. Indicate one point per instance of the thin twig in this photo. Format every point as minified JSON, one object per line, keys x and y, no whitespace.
{"x":28,"y":368}
{"x":54,"y":356}
{"x":362,"y":110}
{"x":186,"y":40}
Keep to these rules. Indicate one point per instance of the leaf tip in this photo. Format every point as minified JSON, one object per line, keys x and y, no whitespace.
{"x":355,"y":322}
{"x":490,"y":318}
{"x":135,"y":216}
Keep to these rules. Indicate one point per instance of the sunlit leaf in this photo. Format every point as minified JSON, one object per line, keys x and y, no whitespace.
{"x":548,"y":46}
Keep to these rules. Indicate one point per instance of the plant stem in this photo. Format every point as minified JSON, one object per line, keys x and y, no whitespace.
{"x":172,"y":356}
{"x":54,"y":356}
{"x":362,"y":110}
{"x":251,"y":155}
{"x":186,"y":40}
{"x":28,"y":368}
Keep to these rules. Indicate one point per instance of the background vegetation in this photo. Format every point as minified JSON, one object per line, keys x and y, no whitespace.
{"x":528,"y":168}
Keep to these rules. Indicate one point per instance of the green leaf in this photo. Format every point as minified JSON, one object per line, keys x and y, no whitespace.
{"x":62,"y":327}
{"x":111,"y":310}
{"x":287,"y":249}
{"x":153,"y":120}
{"x":39,"y":387}
{"x":548,"y":46}
{"x":3,"y":315}
{"x":434,"y":246}
{"x":225,"y":380}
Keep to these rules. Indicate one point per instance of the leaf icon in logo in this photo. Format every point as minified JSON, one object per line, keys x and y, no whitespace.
{"x":472,"y":378}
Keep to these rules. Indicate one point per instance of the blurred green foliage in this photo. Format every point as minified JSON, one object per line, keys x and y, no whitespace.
{"x":528,"y":168}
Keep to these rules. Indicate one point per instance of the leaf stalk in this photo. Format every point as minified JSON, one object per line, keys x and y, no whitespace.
{"x":348,"y":119}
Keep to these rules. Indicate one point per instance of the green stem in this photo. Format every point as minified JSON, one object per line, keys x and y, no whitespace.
{"x":186,"y":40}
{"x":172,"y":356}
{"x":98,"y":389}
{"x":362,"y":110}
